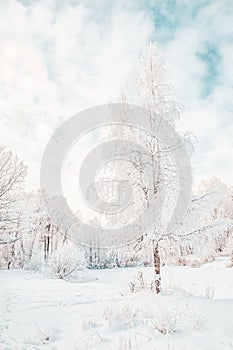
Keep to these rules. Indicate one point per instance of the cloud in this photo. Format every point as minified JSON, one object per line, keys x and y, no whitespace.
{"x":59,"y":57}
{"x":198,"y":56}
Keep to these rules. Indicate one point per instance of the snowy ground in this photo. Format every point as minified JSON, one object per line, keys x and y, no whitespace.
{"x":193,"y":312}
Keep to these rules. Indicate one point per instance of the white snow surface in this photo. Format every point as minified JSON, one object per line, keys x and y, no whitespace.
{"x":194,"y":311}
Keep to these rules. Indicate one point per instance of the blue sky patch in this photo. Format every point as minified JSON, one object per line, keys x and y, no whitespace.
{"x":211,"y":58}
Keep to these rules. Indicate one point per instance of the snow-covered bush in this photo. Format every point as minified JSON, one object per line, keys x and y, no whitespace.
{"x":36,"y":263}
{"x":198,"y":322}
{"x":165,"y":322}
{"x":128,"y":315}
{"x":209,"y":292}
{"x":108,"y":313}
{"x":194,"y":260}
{"x":139,"y":283}
{"x":67,"y":260}
{"x":87,"y":324}
{"x":124,"y":316}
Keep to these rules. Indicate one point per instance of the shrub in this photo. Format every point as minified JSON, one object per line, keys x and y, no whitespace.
{"x":36,"y":263}
{"x":194,"y":260}
{"x":139,"y":283}
{"x":66,"y":261}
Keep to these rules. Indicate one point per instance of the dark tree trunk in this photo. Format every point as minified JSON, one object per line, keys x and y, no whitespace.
{"x":48,"y":246}
{"x":47,"y":242}
{"x":157,"y":278}
{"x":45,"y":247}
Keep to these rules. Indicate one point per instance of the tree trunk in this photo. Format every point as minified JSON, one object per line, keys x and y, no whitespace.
{"x":90,"y":255}
{"x":157,"y":278}
{"x":48,"y":246}
{"x":45,"y":247}
{"x":47,"y":242}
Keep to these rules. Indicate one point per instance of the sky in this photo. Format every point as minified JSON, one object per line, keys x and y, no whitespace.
{"x":60,"y":57}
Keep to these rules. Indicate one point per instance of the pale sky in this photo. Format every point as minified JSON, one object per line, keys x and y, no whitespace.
{"x":59,"y":57}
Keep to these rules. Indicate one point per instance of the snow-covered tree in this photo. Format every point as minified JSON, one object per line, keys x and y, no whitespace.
{"x":152,"y":169}
{"x":12,"y":175}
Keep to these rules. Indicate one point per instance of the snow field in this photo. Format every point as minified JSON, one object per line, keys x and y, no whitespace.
{"x":194,"y":311}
